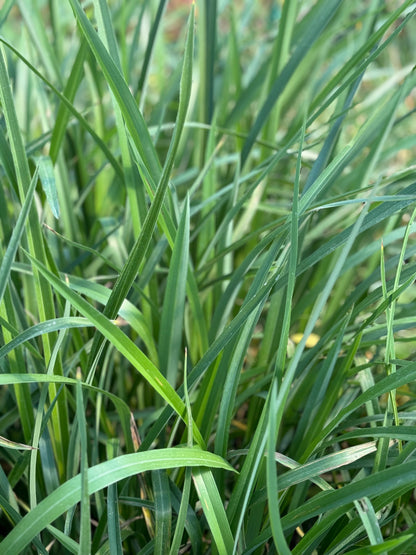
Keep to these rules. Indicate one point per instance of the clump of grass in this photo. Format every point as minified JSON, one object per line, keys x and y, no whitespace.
{"x":207,"y":278}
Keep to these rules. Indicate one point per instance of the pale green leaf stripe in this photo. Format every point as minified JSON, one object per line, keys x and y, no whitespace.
{"x":13,"y":245}
{"x":99,"y":477}
{"x":214,"y":511}
{"x":123,"y":344}
{"x":310,"y":470}
{"x":49,"y":326}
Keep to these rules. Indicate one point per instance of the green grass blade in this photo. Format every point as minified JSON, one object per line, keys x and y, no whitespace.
{"x":231,"y":209}
{"x":107,"y":35}
{"x":377,"y":215}
{"x":376,"y":484}
{"x":122,"y":408}
{"x":47,"y":179}
{"x":113,"y":517}
{"x":41,"y":408}
{"x":272,"y":481}
{"x":44,"y":298}
{"x":208,"y":62}
{"x":213,"y":351}
{"x":85,"y":533}
{"x":385,"y":385}
{"x":7,"y":444}
{"x":4,"y":12}
{"x":66,"y":542}
{"x":357,"y":60}
{"x":70,"y":107}
{"x":171,"y":323}
{"x":62,"y":116}
{"x":368,"y":516}
{"x":186,"y":490}
{"x":232,"y":362}
{"x":16,"y":363}
{"x":318,"y":307}
{"x":214,"y":511}
{"x":40,"y":329}
{"x":385,"y":547}
{"x":280,"y":55}
{"x":379,"y":504}
{"x":99,"y":477}
{"x":16,"y":517}
{"x":34,"y":21}
{"x":131,"y":113}
{"x":122,"y":343}
{"x":150,"y":49}
{"x":163,"y":511}
{"x":129,"y":272}
{"x":318,"y":19}
{"x":312,"y":469}
{"x":15,"y":239}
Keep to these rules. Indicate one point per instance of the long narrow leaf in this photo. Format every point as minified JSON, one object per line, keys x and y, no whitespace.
{"x":214,"y":510}
{"x":99,"y":477}
{"x":137,"y":358}
{"x":14,"y":242}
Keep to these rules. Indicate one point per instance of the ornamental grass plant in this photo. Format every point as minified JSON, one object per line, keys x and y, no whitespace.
{"x":207,"y":267}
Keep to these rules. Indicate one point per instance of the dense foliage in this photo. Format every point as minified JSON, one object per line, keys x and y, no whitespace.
{"x":207,"y":277}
